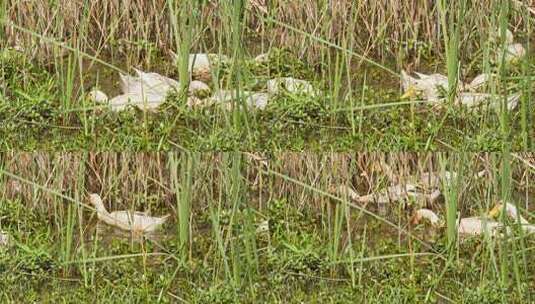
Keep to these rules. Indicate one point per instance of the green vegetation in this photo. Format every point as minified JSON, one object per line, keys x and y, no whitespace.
{"x":245,"y":229}
{"x":36,"y":114}
{"x":265,"y":225}
{"x":47,"y":73}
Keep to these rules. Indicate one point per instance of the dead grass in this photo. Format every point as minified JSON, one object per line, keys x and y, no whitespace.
{"x":381,"y":28}
{"x":129,"y":177}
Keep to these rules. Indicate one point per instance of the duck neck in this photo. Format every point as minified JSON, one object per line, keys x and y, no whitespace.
{"x":99,"y":206}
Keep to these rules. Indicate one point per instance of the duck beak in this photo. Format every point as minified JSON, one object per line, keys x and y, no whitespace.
{"x":410,"y":93}
{"x":495,"y":211}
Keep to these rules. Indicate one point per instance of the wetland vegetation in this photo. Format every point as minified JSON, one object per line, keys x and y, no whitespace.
{"x":248,"y":228}
{"x":164,"y":170}
{"x":52,"y":57}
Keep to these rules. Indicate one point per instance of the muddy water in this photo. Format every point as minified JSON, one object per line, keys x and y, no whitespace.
{"x":397,"y":231}
{"x":107,"y":79}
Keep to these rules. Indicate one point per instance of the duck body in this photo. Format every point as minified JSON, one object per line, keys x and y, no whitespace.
{"x":147,"y":91}
{"x":475,"y":226}
{"x":147,"y":83}
{"x":156,"y":83}
{"x":98,"y":96}
{"x":133,"y":221}
{"x":478,"y":82}
{"x":472,"y":100}
{"x":148,"y":101}
{"x":137,"y":222}
{"x":514,"y":53}
{"x":512,"y":212}
{"x":429,"y":86}
{"x":426,"y":214}
{"x":200,"y":64}
{"x":198,"y":88}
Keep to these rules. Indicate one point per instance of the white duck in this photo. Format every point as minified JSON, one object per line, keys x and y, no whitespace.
{"x":514,"y":53}
{"x":200,"y":64}
{"x":137,"y":222}
{"x":426,"y":214}
{"x":476,"y":226}
{"x":146,"y":101}
{"x":146,"y":91}
{"x":512,"y":212}
{"x":391,"y":194}
{"x":98,"y":96}
{"x":147,"y":83}
{"x":429,"y":86}
{"x":478,"y":82}
{"x":472,"y":100}
{"x":198,"y":88}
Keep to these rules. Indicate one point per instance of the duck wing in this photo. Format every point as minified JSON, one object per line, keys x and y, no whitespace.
{"x":157,"y":83}
{"x":135,"y":221}
{"x":148,"y":223}
{"x":145,"y":101}
{"x":131,"y":84}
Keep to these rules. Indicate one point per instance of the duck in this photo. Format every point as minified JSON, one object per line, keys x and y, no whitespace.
{"x":200,"y":64}
{"x":466,"y":227}
{"x":495,"y":36}
{"x":426,"y":214}
{"x":147,"y":83}
{"x":512,"y":212}
{"x":390,"y":194}
{"x":145,"y":102}
{"x":514,"y":53}
{"x":428,"y":223}
{"x":472,"y":100}
{"x":136,"y":222}
{"x":476,"y":226}
{"x":262,"y":58}
{"x":430,"y":86}
{"x":199,"y":89}
{"x":487,"y":224}
{"x":478,"y":82}
{"x":98,"y":96}
{"x":346,"y":192}
{"x":146,"y":91}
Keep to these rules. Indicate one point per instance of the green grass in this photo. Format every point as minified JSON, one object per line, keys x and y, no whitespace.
{"x":39,"y":112}
{"x":355,"y":64}
{"x":319,"y":247}
{"x":295,"y":266}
